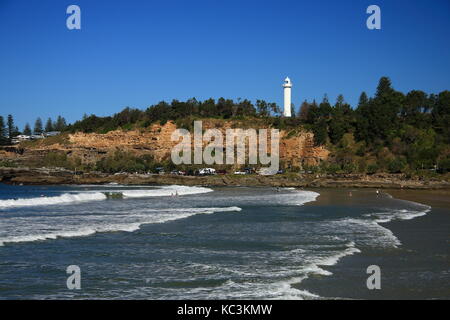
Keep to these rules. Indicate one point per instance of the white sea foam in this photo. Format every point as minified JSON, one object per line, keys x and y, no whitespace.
{"x":45,"y":201}
{"x":284,"y":198}
{"x":268,"y":274}
{"x":165,"y":191}
{"x":88,"y":225}
{"x":331,"y":260}
{"x":97,"y":195}
{"x":261,"y":281}
{"x":403,"y":214}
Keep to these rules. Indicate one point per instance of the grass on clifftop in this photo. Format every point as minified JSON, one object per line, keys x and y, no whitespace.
{"x":62,"y":139}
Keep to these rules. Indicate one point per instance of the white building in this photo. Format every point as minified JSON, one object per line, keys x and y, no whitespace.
{"x":287,"y":85}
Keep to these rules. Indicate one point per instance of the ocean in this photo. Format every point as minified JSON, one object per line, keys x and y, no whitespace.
{"x":185,"y":242}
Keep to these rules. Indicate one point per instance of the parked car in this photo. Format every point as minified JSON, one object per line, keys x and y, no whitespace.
{"x":160,"y":170}
{"x":207,"y":171}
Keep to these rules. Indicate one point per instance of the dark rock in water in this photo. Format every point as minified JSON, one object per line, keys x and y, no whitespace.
{"x":113,"y":195}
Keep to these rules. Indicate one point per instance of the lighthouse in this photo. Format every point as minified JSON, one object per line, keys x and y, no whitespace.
{"x":287,"y":85}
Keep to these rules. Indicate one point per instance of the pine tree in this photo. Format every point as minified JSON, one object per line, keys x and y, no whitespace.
{"x":384,"y":87}
{"x":60,"y":124}
{"x":303,"y":112}
{"x":320,"y":132}
{"x":2,"y":131}
{"x":313,"y":113}
{"x":262,"y":108}
{"x":325,"y":107}
{"x":38,"y":126}
{"x":11,"y":127}
{"x":378,"y":118}
{"x":363,"y":100}
{"x":27,"y":129}
{"x":49,"y":125}
{"x":362,"y":116}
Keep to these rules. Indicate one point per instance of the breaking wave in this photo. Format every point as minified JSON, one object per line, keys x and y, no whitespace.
{"x":45,"y":201}
{"x":67,"y":198}
{"x":88,"y":225}
{"x":165,"y":191}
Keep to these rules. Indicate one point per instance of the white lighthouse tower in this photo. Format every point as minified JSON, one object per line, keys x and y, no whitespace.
{"x":287,"y":85}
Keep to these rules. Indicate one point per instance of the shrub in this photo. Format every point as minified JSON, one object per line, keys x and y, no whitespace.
{"x":372,"y":168}
{"x":397,"y":165}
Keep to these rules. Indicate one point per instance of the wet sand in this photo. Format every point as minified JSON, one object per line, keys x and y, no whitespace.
{"x":418,"y":269}
{"x":433,"y":198}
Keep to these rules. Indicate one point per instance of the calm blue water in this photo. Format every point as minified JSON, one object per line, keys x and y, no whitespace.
{"x":178,"y":242}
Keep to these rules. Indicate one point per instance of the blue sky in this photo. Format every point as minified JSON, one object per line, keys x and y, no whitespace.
{"x":137,"y":53}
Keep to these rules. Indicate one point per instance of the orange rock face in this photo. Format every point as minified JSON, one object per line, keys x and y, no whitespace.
{"x":295,"y":150}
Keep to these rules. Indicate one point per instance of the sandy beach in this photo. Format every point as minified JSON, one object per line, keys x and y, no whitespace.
{"x":417,"y":269}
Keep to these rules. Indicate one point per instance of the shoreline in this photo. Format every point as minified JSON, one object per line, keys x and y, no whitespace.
{"x":57,"y":176}
{"x":433,"y":198}
{"x":423,"y":240}
{"x":343,"y":276}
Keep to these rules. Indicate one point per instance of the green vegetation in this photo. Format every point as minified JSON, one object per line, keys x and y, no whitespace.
{"x":390,"y":132}
{"x":8,"y":164}
{"x":9,"y":130}
{"x":62,"y":139}
{"x":3,"y":138}
{"x":122,"y":161}
{"x":61,"y":160}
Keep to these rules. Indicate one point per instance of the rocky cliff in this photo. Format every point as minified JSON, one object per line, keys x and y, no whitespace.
{"x":296,"y":148}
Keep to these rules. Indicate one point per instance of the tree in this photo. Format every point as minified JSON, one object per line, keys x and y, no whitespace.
{"x":3,"y":131}
{"x":337,"y":128}
{"x":379,"y":117}
{"x":363,"y":100}
{"x":397,"y":165}
{"x":341,"y":120}
{"x":27,"y":129}
{"x":303,"y":112}
{"x":313,"y":113}
{"x":320,"y":132}
{"x":415,"y":109}
{"x":11,"y":127}
{"x":262,"y":108}
{"x":38,"y":126}
{"x":61,"y":124}
{"x":325,"y":109}
{"x":362,"y":114}
{"x":384,"y":87}
{"x":274,"y":108}
{"x":441,"y":115}
{"x":49,"y":125}
{"x":16,"y":131}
